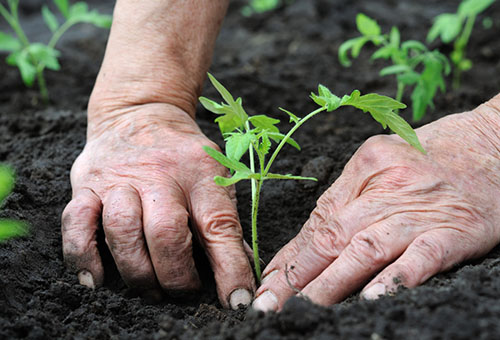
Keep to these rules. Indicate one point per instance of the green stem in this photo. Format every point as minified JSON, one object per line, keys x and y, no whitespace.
{"x":59,"y":32}
{"x":14,"y":23}
{"x":288,"y":135}
{"x":399,"y":94}
{"x":44,"y":92}
{"x":255,"y":243}
{"x":459,"y":49}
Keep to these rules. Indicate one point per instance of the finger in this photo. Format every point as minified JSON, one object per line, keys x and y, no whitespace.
{"x":79,"y":224}
{"x":326,"y":242}
{"x":169,"y":238}
{"x":368,"y":251}
{"x":122,"y":222}
{"x":427,"y":255}
{"x":340,"y":193}
{"x":216,"y":220}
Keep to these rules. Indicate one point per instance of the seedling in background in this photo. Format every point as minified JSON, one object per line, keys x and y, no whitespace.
{"x":33,"y":58}
{"x":457,"y":28}
{"x":261,"y":6}
{"x":254,"y":134}
{"x":412,"y":62}
{"x":9,"y":228}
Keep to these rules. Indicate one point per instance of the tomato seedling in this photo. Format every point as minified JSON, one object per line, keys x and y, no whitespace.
{"x":9,"y":228}
{"x":412,"y":62}
{"x":254,"y":134}
{"x":33,"y":58}
{"x":457,"y":28}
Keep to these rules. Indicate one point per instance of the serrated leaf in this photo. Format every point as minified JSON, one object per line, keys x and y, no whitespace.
{"x":293,"y":118}
{"x":288,"y":176}
{"x":50,"y":19}
{"x":277,"y":137}
{"x":366,"y":25}
{"x":6,"y":181}
{"x":10,"y":228}
{"x":325,"y":98}
{"x":63,"y":6}
{"x":238,"y":176}
{"x":394,"y":69}
{"x":263,"y":122}
{"x":237,"y":145}
{"x":446,"y":26}
{"x":473,"y":7}
{"x":404,"y":130}
{"x":21,"y":59}
{"x":9,"y":43}
{"x":228,"y":163}
{"x":265,"y":144}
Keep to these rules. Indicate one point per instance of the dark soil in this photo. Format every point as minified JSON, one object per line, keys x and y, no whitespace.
{"x":270,"y":60}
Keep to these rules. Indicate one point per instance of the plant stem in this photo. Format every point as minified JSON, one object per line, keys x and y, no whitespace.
{"x":459,"y":47}
{"x":288,"y":135}
{"x":255,"y":242}
{"x":44,"y":92}
{"x":399,"y":94}
{"x":59,"y":32}
{"x":14,"y":23}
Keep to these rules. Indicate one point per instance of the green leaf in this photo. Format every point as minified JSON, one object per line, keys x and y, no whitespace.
{"x":21,"y":59}
{"x":8,"y":43}
{"x":63,"y":6}
{"x":265,"y":145}
{"x":473,"y":7}
{"x":277,"y":137}
{"x":366,"y":25}
{"x":293,"y":118}
{"x":288,"y":176}
{"x":413,"y":45}
{"x":78,"y":10}
{"x":228,"y":163}
{"x":6,"y":181}
{"x":447,"y":26}
{"x":344,"y":49}
{"x":325,"y":98}
{"x":263,"y":122}
{"x":385,"y":52}
{"x":408,"y":78}
{"x":359,"y":43}
{"x":11,"y":228}
{"x":237,"y":145}
{"x":382,"y":110}
{"x":238,"y":176}
{"x":45,"y":55}
{"x":395,"y":37}
{"x":50,"y":19}
{"x":234,"y":116}
{"x":394,"y":69}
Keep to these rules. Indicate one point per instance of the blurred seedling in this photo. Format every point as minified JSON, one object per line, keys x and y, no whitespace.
{"x":9,"y":228}
{"x":32,"y":58}
{"x":254,"y":134}
{"x":457,"y":28}
{"x":412,"y":63}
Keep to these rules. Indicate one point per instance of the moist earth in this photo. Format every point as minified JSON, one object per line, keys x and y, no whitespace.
{"x":271,"y":60}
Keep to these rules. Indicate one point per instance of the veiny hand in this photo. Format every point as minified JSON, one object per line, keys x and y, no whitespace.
{"x":145,"y":174}
{"x":397,"y":214}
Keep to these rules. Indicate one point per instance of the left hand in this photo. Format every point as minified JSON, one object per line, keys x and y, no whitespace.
{"x":396,"y":214}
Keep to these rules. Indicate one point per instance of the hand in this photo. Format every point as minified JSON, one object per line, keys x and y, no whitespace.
{"x":144,"y":172}
{"x":396,"y":214}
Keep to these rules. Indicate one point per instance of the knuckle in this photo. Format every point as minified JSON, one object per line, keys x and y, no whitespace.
{"x":326,"y":242}
{"x":122,"y":222}
{"x":431,"y":250}
{"x":221,"y":224}
{"x":171,"y":229}
{"x":368,"y":250}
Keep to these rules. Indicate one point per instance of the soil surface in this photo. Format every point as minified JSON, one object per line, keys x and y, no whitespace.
{"x":274,"y":59}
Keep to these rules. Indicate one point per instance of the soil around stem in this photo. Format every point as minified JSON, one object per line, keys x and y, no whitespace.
{"x":270,"y":60}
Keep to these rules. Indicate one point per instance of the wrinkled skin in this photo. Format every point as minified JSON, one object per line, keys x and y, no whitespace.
{"x":144,"y":171}
{"x":395,"y":216}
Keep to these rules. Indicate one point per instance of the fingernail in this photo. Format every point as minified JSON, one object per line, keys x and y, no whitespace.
{"x":240,"y":297}
{"x":266,"y":302}
{"x":268,"y":276}
{"x":374,"y":292}
{"x":86,"y":279}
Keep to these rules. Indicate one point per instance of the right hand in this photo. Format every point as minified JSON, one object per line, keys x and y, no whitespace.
{"x":144,"y":172}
